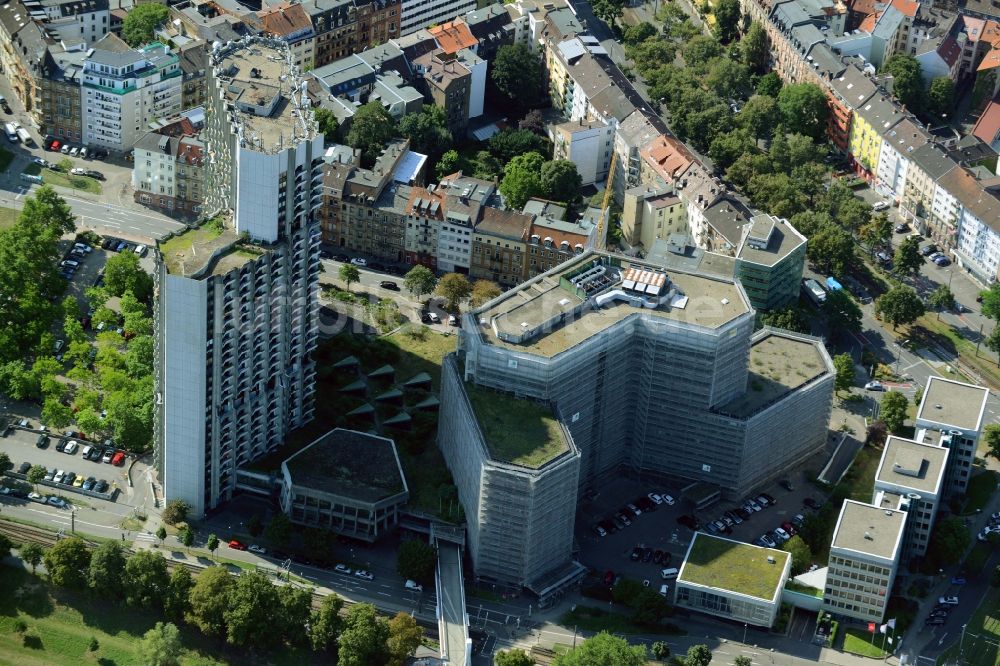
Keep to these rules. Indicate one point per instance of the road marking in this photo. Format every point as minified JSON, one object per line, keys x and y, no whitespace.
{"x":384,"y":594}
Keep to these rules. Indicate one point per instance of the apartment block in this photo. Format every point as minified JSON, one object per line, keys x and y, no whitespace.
{"x":61,"y":72}
{"x":447,"y":81}
{"x":418,"y":14}
{"x":500,"y":246}
{"x":951,"y":415}
{"x":19,"y":37}
{"x":770,"y":261}
{"x":864,"y":559}
{"x":72,"y":22}
{"x":236,"y":304}
{"x":910,"y":477}
{"x":593,"y":336}
{"x":587,"y":144}
{"x":167,"y":170}
{"x":652,"y":213}
{"x":125,"y":89}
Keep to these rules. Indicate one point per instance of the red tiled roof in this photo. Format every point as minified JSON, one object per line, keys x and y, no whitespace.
{"x":668,"y":156}
{"x":988,"y":125}
{"x":285,"y":19}
{"x":453,"y":36}
{"x":907,"y":7}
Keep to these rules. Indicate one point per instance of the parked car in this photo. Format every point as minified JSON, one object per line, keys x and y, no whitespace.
{"x":600,"y":531}
{"x":344,"y":569}
{"x":108,"y":455}
{"x":140,"y":250}
{"x":260,"y":550}
{"x":636,"y":511}
{"x":948,"y":601}
{"x":358,"y":261}
{"x":96,"y":175}
{"x":636,"y":554}
{"x":655,"y":498}
{"x":647,"y":554}
{"x":657,"y":556}
{"x":389,"y":284}
{"x":902,"y":228}
{"x":89,"y":483}
{"x":118,"y":459}
{"x":768,"y":540}
{"x":942,"y":261}
{"x":880,"y":205}
{"x":625,"y":519}
{"x":42,"y":441}
{"x":71,"y":447}
{"x":668,"y":500}
{"x":78,"y":171}
{"x":874,"y":386}
{"x":366,"y":575}
{"x":23,"y":469}
{"x":236,"y":545}
{"x":56,"y":501}
{"x":958,"y":580}
{"x":101,"y":487}
{"x":928,"y":249}
{"x":69,"y":478}
{"x":61,"y":445}
{"x":811,"y":503}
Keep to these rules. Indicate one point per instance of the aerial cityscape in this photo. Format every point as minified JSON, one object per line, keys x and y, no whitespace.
{"x":450,"y":332}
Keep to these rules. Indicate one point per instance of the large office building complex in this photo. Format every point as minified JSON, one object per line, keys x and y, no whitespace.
{"x":651,"y":370}
{"x":236,"y":298}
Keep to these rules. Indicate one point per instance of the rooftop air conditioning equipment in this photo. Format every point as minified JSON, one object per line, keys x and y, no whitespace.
{"x":869,"y":536}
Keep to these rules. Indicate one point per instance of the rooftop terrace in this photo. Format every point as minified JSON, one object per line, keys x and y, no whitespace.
{"x":521,"y":432}
{"x":258,"y":83}
{"x":733,"y":566}
{"x":349,"y":464}
{"x":870,"y":530}
{"x":189,"y":253}
{"x":952,"y":403}
{"x":701,"y":300}
{"x":779,"y":364}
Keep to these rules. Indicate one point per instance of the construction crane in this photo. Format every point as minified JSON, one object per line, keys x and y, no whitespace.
{"x":602,"y":224}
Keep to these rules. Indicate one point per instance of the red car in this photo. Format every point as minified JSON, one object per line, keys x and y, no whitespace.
{"x":55,"y":145}
{"x":236,"y":545}
{"x":118,"y":459}
{"x":788,"y":527}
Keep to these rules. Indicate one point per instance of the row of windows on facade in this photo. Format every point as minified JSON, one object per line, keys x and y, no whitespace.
{"x":862,"y":566}
{"x":872,"y":612}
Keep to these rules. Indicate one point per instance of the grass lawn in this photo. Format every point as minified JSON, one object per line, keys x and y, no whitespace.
{"x":735,"y":566}
{"x":421,"y":354}
{"x":948,"y":338}
{"x":803,"y":589}
{"x":982,"y":637}
{"x":5,"y":158}
{"x":50,"y":177}
{"x":591,"y":618}
{"x":8,"y":216}
{"x":859,"y":641}
{"x":981,"y":488}
{"x":522,"y":432}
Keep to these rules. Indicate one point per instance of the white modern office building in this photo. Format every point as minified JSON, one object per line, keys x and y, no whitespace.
{"x":419,"y":14}
{"x":236,"y":298}
{"x":951,"y":415}
{"x":124,"y":90}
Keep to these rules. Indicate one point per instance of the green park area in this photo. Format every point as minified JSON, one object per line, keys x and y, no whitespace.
{"x":61,"y":179}
{"x":859,"y":641}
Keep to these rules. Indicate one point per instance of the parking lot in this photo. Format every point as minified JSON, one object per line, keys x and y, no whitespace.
{"x":659,"y":529}
{"x":21,"y":446}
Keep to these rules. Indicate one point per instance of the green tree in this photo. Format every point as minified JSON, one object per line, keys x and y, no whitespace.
{"x":743,"y":660}
{"x":949,"y":541}
{"x":363,"y":637}
{"x":844,"y":365}
{"x":141,"y":21}
{"x":105,"y":572}
{"x":842,"y":313}
{"x":522,"y":179}
{"x":328,"y":125}
{"x":209,"y":600}
{"x":427,"y":130}
{"x":907,"y":81}
{"x":420,"y":280}
{"x":899,"y":305}
{"x":941,"y":96}
{"x":349,"y":273}
{"x":729,"y":79}
{"x":893,"y":410}
{"x":635,"y":34}
{"x":603,"y":650}
{"x":518,"y":73}
{"x":560,"y":181}
{"x":991,"y":436}
{"x":727,"y":147}
{"x":608,"y":11}
{"x":175,"y":601}
{"x":992,"y":341}
{"x":483,"y":291}
{"x":515,"y":657}
{"x":295,"y":605}
{"x":146,"y":578}
{"x":324,"y":627}
{"x":801,"y":555}
{"x":139,"y":357}
{"x":509,"y":143}
{"x":803,"y":109}
{"x":122,"y":273}
{"x":942,"y":298}
{"x":831,"y":249}
{"x":32,"y":554}
{"x":253,"y":601}
{"x":698,"y":655}
{"x":55,"y":414}
{"x":453,"y":287}
{"x":727,"y":20}
{"x":699,"y":51}
{"x":67,"y":562}
{"x":403,"y":639}
{"x":877,"y":232}
{"x":212,"y":544}
{"x":161,"y":645}
{"x":790,"y":319}
{"x":5,"y":464}
{"x":449,"y":163}
{"x":279,"y":530}
{"x":661,"y":650}
{"x":36,"y":474}
{"x":371,"y":129}
{"x":5,"y":546}
{"x":186,"y":537}
{"x":770,"y":85}
{"x":755,"y":48}
{"x":908,"y":258}
{"x":416,"y":559}
{"x":759,"y":116}
{"x":486,"y":166}
{"x":991,"y":301}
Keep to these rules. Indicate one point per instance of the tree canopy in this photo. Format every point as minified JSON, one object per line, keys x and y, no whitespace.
{"x":427,"y":130}
{"x":141,"y":21}
{"x":844,"y":365}
{"x":727,"y":20}
{"x":371,"y":129}
{"x":893,"y":410}
{"x":420,"y":280}
{"x":603,"y":650}
{"x":803,"y":109}
{"x":907,"y":81}
{"x":899,"y":305}
{"x":363,"y":638}
{"x":68,"y":562}
{"x":522,"y":179}
{"x":518,"y":73}
{"x":416,"y":559}
{"x":560,"y":181}
{"x":453,"y":287}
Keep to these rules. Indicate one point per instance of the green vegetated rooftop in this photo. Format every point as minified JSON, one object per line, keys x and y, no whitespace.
{"x":188,"y":252}
{"x":734,"y":566}
{"x":349,"y":464}
{"x":517,"y":431}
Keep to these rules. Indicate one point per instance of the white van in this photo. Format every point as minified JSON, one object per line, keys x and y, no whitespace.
{"x":85,"y":452}
{"x":10,"y":129}
{"x":669,"y":574}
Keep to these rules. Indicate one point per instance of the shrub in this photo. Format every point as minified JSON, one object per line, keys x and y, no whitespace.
{"x":20,"y":626}
{"x":175,"y":512}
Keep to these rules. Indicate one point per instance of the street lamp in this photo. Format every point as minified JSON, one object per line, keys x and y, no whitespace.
{"x":745,"y":625}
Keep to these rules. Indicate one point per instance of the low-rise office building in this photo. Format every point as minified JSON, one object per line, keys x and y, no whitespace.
{"x":951,"y":415}
{"x":770,"y":261}
{"x":347,"y":482}
{"x":864,"y":558}
{"x":732,"y":580}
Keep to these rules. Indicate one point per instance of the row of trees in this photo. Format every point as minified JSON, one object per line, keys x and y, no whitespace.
{"x":605,"y":649}
{"x":249,"y":611}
